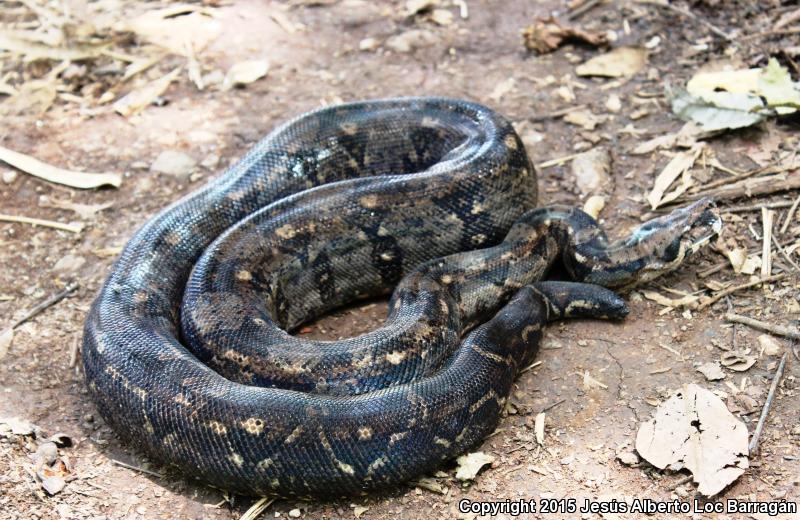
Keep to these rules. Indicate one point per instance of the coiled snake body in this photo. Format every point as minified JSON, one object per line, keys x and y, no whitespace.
{"x":186,"y":352}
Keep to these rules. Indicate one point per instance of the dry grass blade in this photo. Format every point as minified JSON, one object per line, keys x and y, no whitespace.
{"x":257,"y":508}
{"x":48,"y":172}
{"x":36,"y":51}
{"x":72,"y":228}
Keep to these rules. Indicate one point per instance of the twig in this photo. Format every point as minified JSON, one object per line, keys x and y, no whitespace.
{"x":780,"y":330}
{"x":688,"y":14}
{"x":766,"y":185}
{"x":714,"y":298}
{"x":73,"y":353}
{"x":551,"y":406}
{"x":681,"y":482}
{"x":557,"y":161}
{"x":765,"y":34}
{"x":783,"y":252}
{"x":756,"y":207}
{"x":766,"y":247}
{"x":66,"y":291}
{"x":770,"y":396}
{"x":136,"y":468}
{"x":789,"y":215}
{"x":583,"y":9}
{"x":72,"y":228}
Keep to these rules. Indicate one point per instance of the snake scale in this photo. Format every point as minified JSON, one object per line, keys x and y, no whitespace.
{"x":187,"y":349}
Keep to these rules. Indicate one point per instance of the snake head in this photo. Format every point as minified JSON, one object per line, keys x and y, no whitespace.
{"x":673,"y":237}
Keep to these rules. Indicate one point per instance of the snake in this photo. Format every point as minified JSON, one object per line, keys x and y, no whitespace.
{"x":191,"y":350}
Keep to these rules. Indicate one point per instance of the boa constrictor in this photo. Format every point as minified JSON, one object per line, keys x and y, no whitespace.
{"x":187,"y":349}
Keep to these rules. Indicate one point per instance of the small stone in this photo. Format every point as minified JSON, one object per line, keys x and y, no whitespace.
{"x":613,"y":103}
{"x":592,"y":171}
{"x":69,"y":264}
{"x":628,"y":458}
{"x":174,"y":163}
{"x":410,"y":40}
{"x":294,"y":513}
{"x":368,"y":44}
{"x":210,"y":161}
{"x":9,"y":176}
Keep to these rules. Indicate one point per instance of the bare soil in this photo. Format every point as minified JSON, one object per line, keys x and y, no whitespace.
{"x":637,"y":363}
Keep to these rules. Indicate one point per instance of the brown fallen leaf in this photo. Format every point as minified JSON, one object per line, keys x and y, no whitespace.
{"x":689,"y":301}
{"x":712,"y":370}
{"x":245,"y":72}
{"x":177,"y":26}
{"x":737,"y":361}
{"x":138,"y":99}
{"x":73,"y":179}
{"x":618,"y":63}
{"x":678,"y":166}
{"x":694,"y":430}
{"x":33,"y":51}
{"x":548,"y":34}
{"x":470,"y":464}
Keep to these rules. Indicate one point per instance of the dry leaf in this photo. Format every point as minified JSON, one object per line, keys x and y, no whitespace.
{"x":583,"y":118}
{"x":547,"y":34}
{"x":589,"y":382}
{"x":139,"y":98}
{"x":678,"y":166}
{"x":594,"y":205}
{"x":620,"y":62}
{"x":769,"y":345}
{"x":73,"y":179}
{"x":712,"y":370}
{"x":176,"y":27}
{"x":245,"y":72}
{"x":359,"y":510}
{"x":34,"y":97}
{"x":737,"y":257}
{"x":751,"y":265}
{"x":694,"y":429}
{"x":430,"y":484}
{"x":469,"y":465}
{"x":37,"y":51}
{"x":689,"y":301}
{"x":737,"y":361}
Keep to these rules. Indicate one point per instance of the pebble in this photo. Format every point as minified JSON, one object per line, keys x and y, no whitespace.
{"x":9,"y":176}
{"x":174,"y":163}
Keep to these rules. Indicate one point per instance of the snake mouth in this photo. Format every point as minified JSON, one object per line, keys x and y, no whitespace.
{"x":700,"y":222}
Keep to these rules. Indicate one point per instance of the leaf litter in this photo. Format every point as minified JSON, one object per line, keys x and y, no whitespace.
{"x":694,"y":430}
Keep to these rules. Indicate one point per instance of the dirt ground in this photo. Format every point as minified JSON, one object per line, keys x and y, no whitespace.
{"x":321,"y":53}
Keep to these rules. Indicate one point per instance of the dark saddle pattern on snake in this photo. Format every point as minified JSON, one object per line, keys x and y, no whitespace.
{"x":188,"y":350}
